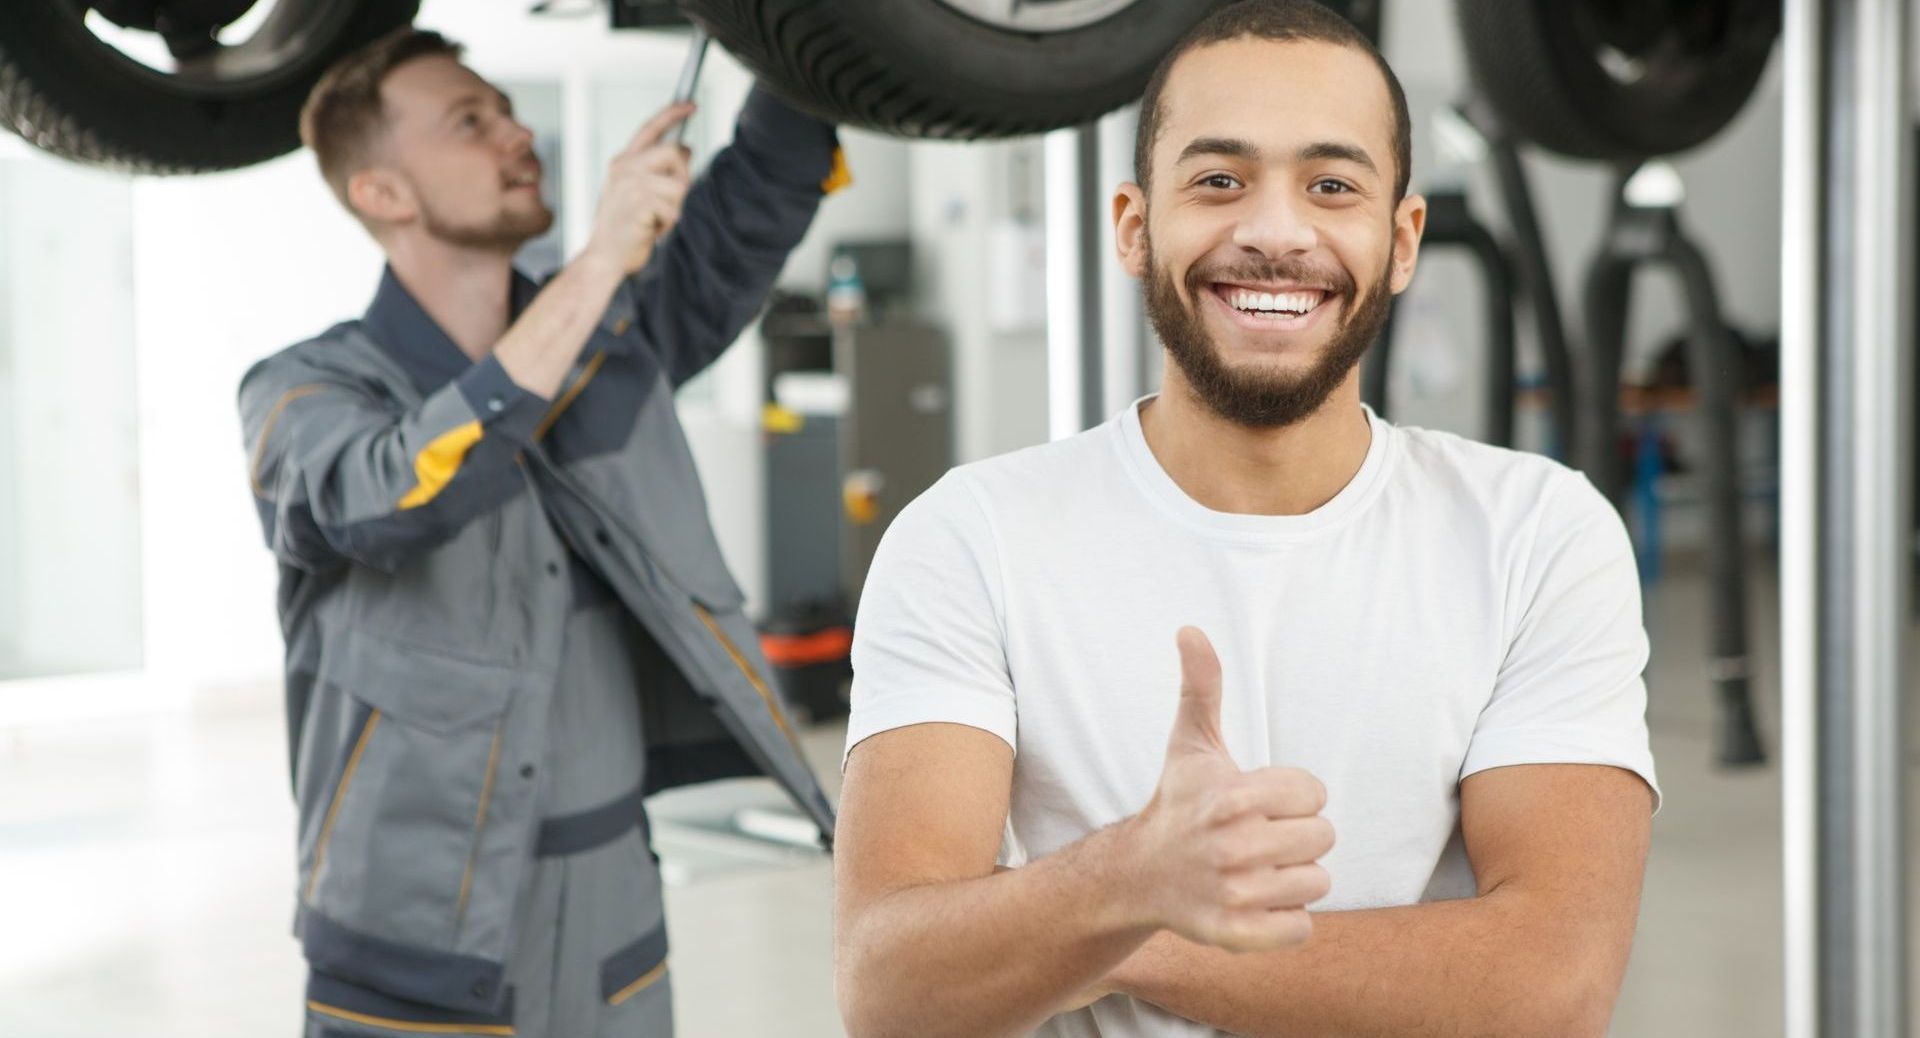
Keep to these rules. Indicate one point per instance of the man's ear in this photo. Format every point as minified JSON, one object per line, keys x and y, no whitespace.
{"x":1130,"y":229}
{"x":1409,"y":223}
{"x":381,"y":196}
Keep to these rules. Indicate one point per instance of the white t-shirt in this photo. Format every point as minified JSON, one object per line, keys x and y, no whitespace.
{"x":1457,"y":607}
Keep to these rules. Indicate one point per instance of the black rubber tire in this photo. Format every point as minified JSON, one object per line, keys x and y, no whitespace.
{"x":67,"y":92}
{"x":920,"y":68}
{"x":1538,"y":64}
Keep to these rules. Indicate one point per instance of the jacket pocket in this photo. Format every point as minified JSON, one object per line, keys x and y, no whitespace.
{"x":396,"y":852}
{"x":337,"y":1006}
{"x":634,"y":969}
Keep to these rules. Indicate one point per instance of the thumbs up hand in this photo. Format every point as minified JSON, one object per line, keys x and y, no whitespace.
{"x":1228,"y":857}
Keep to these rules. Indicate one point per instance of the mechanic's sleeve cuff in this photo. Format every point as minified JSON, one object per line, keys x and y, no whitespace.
{"x":503,"y":407}
{"x":797,"y":145}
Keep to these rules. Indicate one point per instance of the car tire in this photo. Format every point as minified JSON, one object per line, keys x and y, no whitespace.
{"x":68,"y":91}
{"x":926,"y":68}
{"x":1617,"y":81}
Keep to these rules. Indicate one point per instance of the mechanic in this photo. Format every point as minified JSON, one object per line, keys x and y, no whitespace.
{"x":1409,"y":793}
{"x":506,"y":616}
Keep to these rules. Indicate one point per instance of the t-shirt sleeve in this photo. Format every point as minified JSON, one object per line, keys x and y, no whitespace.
{"x":1570,"y":690}
{"x":928,"y":643}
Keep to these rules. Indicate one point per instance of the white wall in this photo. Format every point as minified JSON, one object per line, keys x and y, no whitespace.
{"x":11,"y":590}
{"x":961,"y":192}
{"x":72,"y":558}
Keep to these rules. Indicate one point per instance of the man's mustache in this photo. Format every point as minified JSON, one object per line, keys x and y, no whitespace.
{"x":1333,"y":280}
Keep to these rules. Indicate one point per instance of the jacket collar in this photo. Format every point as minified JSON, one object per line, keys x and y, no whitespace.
{"x":421,"y":347}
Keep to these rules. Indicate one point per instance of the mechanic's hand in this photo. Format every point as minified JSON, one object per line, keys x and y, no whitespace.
{"x":640,"y":201}
{"x":1228,"y":856}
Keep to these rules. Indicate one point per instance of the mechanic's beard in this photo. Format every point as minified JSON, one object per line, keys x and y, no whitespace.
{"x":1254,"y":396}
{"x":506,"y":232}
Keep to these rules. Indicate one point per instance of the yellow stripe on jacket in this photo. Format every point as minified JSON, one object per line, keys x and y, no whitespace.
{"x":842,"y":175}
{"x":434,"y":467}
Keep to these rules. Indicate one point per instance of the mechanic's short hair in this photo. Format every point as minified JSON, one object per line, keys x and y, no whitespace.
{"x":343,"y":115}
{"x":1279,"y":20}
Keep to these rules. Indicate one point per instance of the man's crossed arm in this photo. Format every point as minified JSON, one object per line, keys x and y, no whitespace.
{"x":1194,"y":904}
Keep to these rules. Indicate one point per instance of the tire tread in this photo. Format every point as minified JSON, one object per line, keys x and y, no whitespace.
{"x":813,"y":53}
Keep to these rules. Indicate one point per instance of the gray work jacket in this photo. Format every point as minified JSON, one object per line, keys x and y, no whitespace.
{"x":422,"y":649}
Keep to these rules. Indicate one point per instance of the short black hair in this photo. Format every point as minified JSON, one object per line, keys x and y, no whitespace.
{"x":1279,"y":20}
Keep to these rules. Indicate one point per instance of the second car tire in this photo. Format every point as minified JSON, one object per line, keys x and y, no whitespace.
{"x":924,"y":68}
{"x":1617,"y":81}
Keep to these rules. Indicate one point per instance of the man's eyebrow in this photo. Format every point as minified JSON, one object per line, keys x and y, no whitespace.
{"x":1228,"y":147}
{"x":1238,"y":148}
{"x":1339,"y":152}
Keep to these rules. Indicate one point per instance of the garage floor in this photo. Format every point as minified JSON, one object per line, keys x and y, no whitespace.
{"x":145,"y":878}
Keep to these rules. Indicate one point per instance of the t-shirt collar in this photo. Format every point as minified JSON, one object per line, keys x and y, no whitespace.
{"x":1166,"y":494}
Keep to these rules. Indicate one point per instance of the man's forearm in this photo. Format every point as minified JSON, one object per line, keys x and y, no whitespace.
{"x":1493,"y":965}
{"x":990,"y":956}
{"x":542,"y":345}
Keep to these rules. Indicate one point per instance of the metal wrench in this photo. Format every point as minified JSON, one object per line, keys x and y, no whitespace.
{"x":690,"y":76}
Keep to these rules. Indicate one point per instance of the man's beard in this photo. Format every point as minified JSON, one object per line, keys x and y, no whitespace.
{"x":506,"y":232}
{"x":1255,"y":397}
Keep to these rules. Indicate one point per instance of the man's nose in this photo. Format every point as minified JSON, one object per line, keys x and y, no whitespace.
{"x":1276,"y":223}
{"x":516,"y":138}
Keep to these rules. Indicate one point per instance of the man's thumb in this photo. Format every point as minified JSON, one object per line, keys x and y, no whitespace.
{"x":1197,"y":723}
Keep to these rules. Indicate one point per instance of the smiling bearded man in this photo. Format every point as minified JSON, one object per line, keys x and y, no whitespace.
{"x":1115,"y":696}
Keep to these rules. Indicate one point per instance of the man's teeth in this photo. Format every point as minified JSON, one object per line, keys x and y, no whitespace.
{"x":1274,"y":302}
